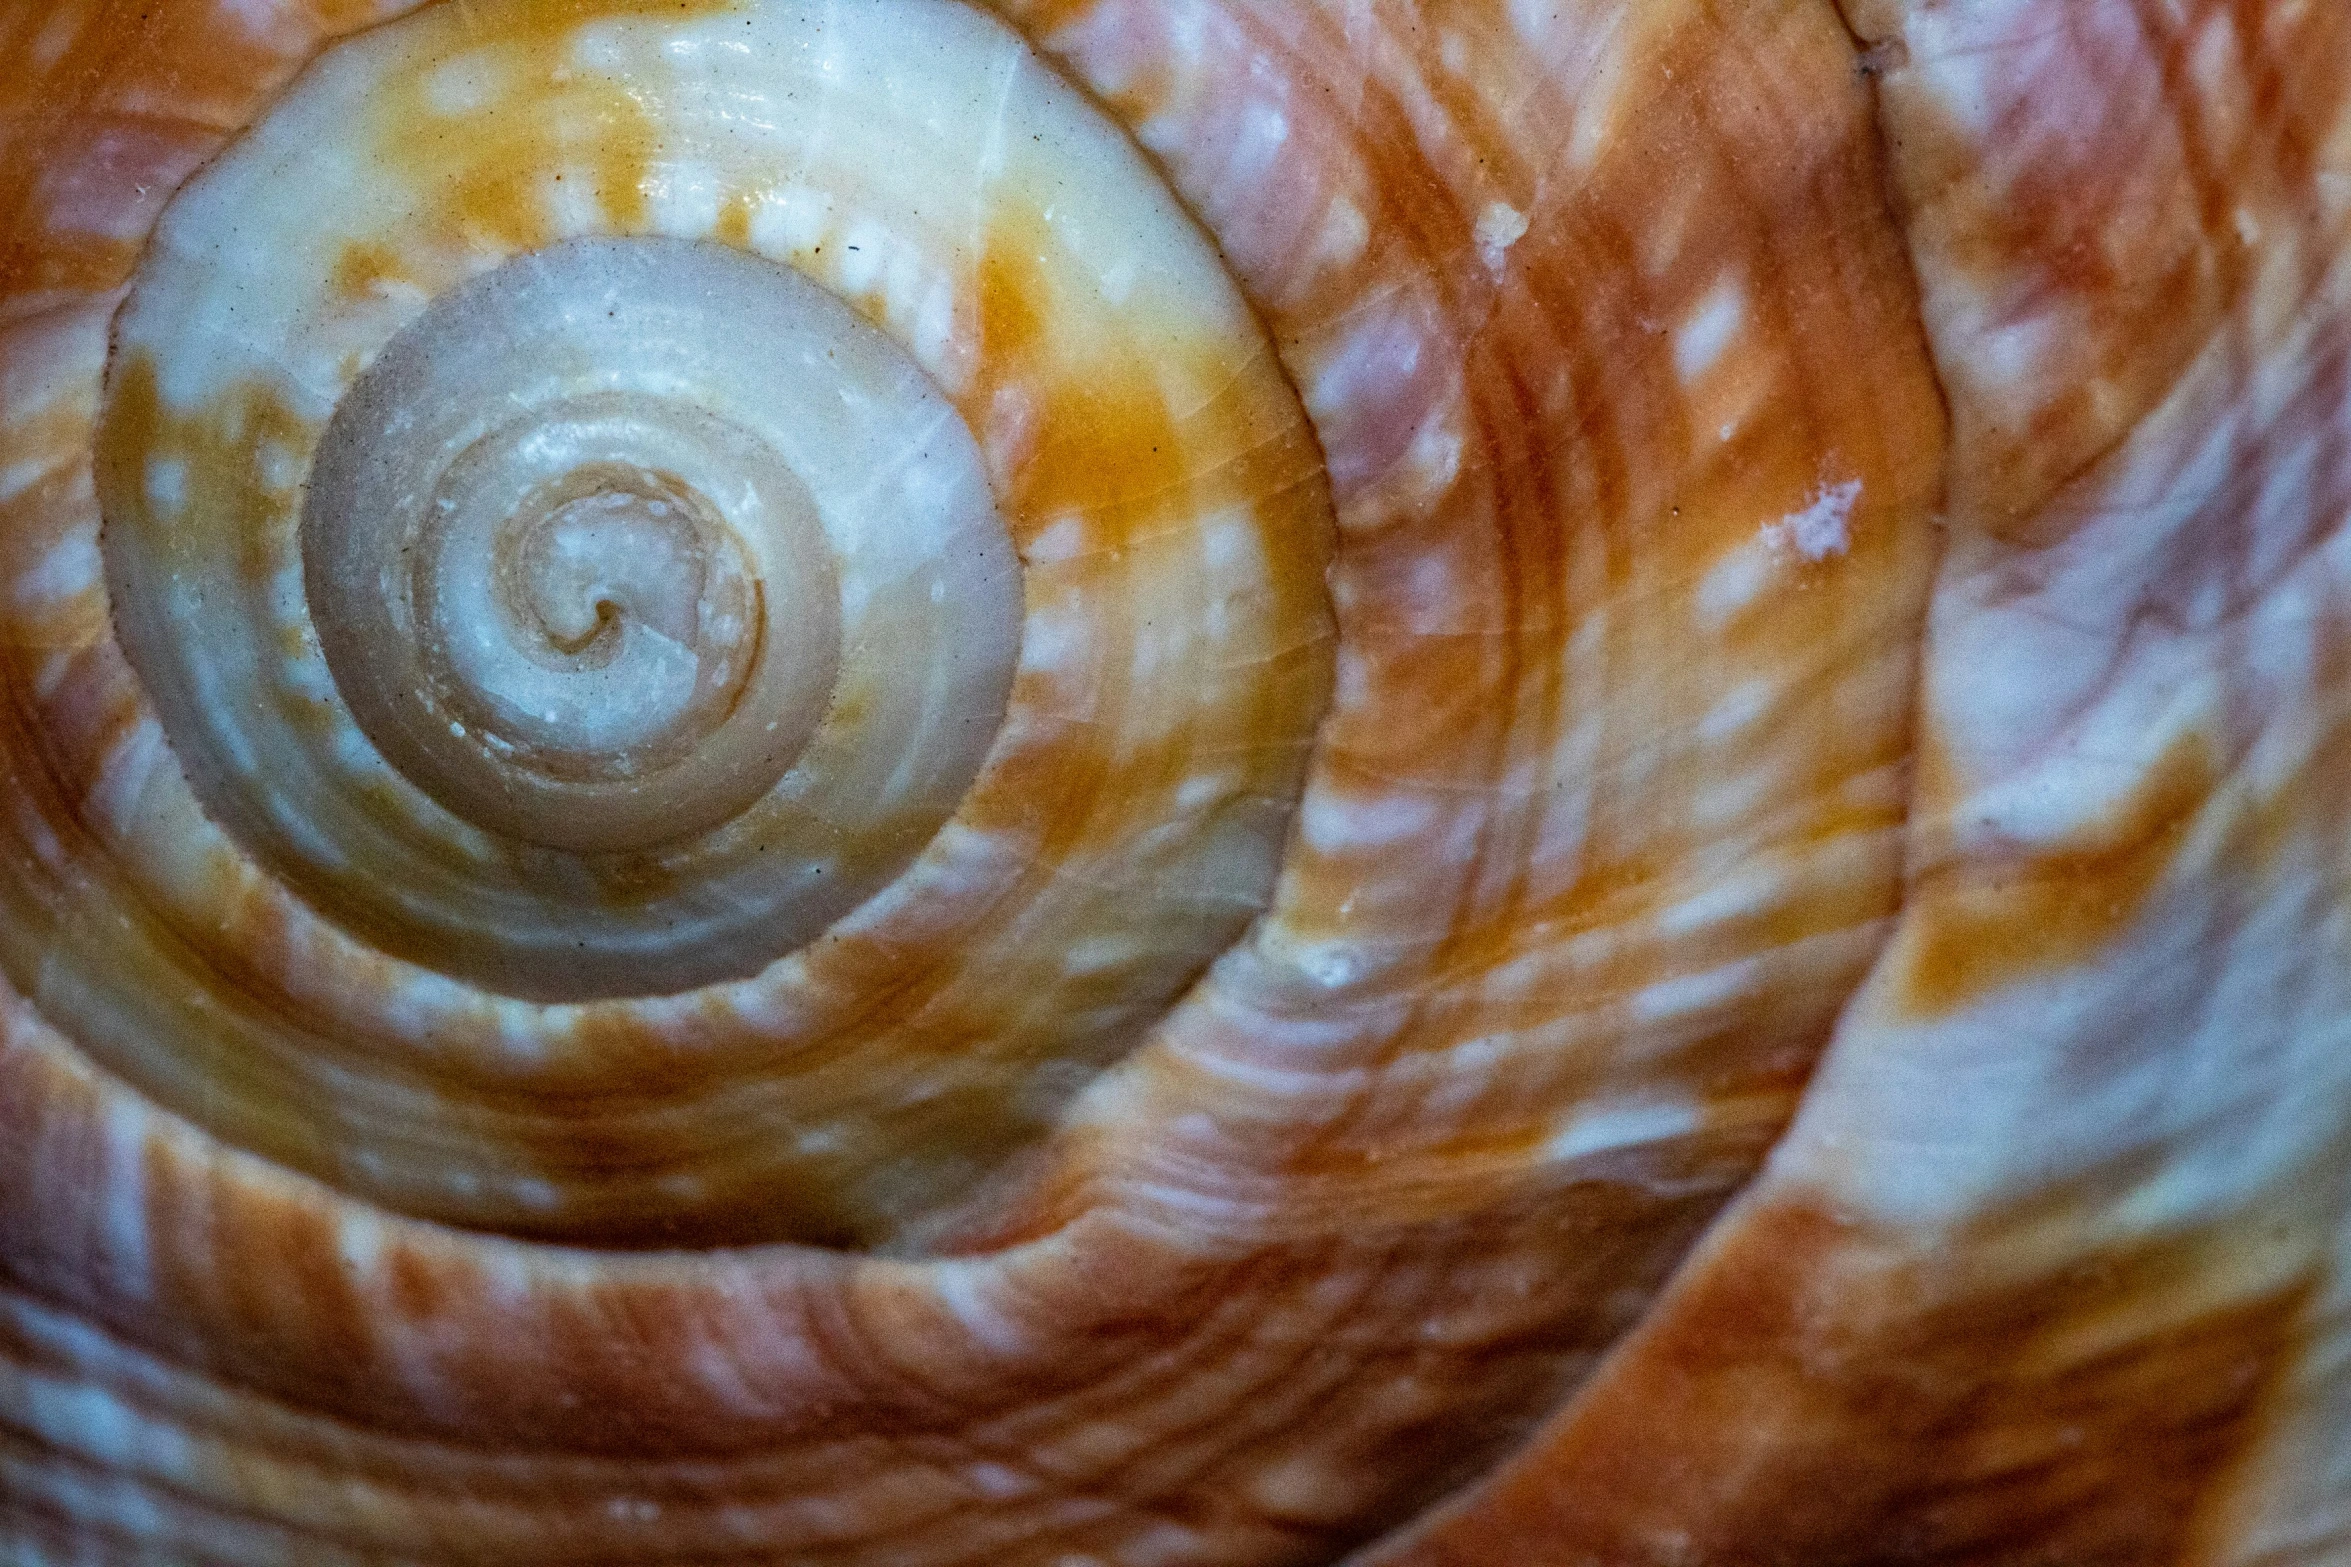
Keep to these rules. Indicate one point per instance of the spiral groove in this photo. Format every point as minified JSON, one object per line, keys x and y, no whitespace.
{"x":572,"y":601}
{"x":568,"y":600}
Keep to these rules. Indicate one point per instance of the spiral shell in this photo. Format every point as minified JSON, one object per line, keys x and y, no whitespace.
{"x":1174,"y":781}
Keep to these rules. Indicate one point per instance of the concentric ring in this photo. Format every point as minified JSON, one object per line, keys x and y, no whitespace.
{"x":612,"y":619}
{"x":763,"y":605}
{"x":1603,"y":819}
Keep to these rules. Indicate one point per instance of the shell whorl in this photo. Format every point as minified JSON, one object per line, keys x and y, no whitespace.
{"x":583,"y":614}
{"x":595,"y":625}
{"x":612,"y":619}
{"x":1090,"y":782}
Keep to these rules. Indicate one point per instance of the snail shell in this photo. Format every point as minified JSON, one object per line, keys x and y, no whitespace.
{"x":1173,"y":781}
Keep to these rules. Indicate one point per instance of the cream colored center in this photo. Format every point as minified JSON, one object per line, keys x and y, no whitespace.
{"x":610,"y":620}
{"x":605,"y":623}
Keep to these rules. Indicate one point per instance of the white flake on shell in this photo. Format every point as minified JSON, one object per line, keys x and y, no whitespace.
{"x":1822,"y":527}
{"x":1500,"y":226}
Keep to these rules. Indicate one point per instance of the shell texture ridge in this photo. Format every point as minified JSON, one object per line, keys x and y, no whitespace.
{"x":1181,"y":783}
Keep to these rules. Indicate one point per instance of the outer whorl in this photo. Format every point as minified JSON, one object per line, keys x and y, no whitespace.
{"x":1175,"y":782}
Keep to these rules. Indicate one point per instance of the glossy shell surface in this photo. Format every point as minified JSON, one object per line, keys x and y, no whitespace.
{"x":1175,"y":782}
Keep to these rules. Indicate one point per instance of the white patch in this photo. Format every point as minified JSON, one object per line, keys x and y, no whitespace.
{"x":1698,"y":343}
{"x":1723,"y":902}
{"x":465,"y":85}
{"x":1055,"y":642}
{"x":1500,"y":226}
{"x":167,"y":484}
{"x":54,"y":668}
{"x":1599,"y":101}
{"x":95,"y":1423}
{"x":1099,"y":955}
{"x":1535,"y":20}
{"x":1382,"y":350}
{"x":1607,"y":1128}
{"x":905,"y":288}
{"x":1228,"y":542}
{"x":1218,"y":620}
{"x":999,"y":1482}
{"x":1162,"y":133}
{"x":603,"y":50}
{"x":962,"y":1291}
{"x":121,"y":785}
{"x":1333,"y":965}
{"x":128,"y":1247}
{"x":540,"y":1195}
{"x":69,"y":569}
{"x":685,"y":203}
{"x":359,"y":1239}
{"x":1345,"y":233}
{"x":1435,"y":458}
{"x":262,"y":18}
{"x":18,"y":477}
{"x":1432,"y":592}
{"x":1735,"y":797}
{"x":1202,"y":790}
{"x":1264,"y":131}
{"x":1731,"y":584}
{"x":1739,"y":710}
{"x":1688,"y":996}
{"x":1823,"y":528}
{"x":281,"y":466}
{"x":796,"y":220}
{"x":1335,"y":823}
{"x":568,"y":197}
{"x":2012,"y":353}
{"x":933,"y":338}
{"x":50,"y":46}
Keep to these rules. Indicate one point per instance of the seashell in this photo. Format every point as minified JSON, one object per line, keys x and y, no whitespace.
{"x":1174,"y":781}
